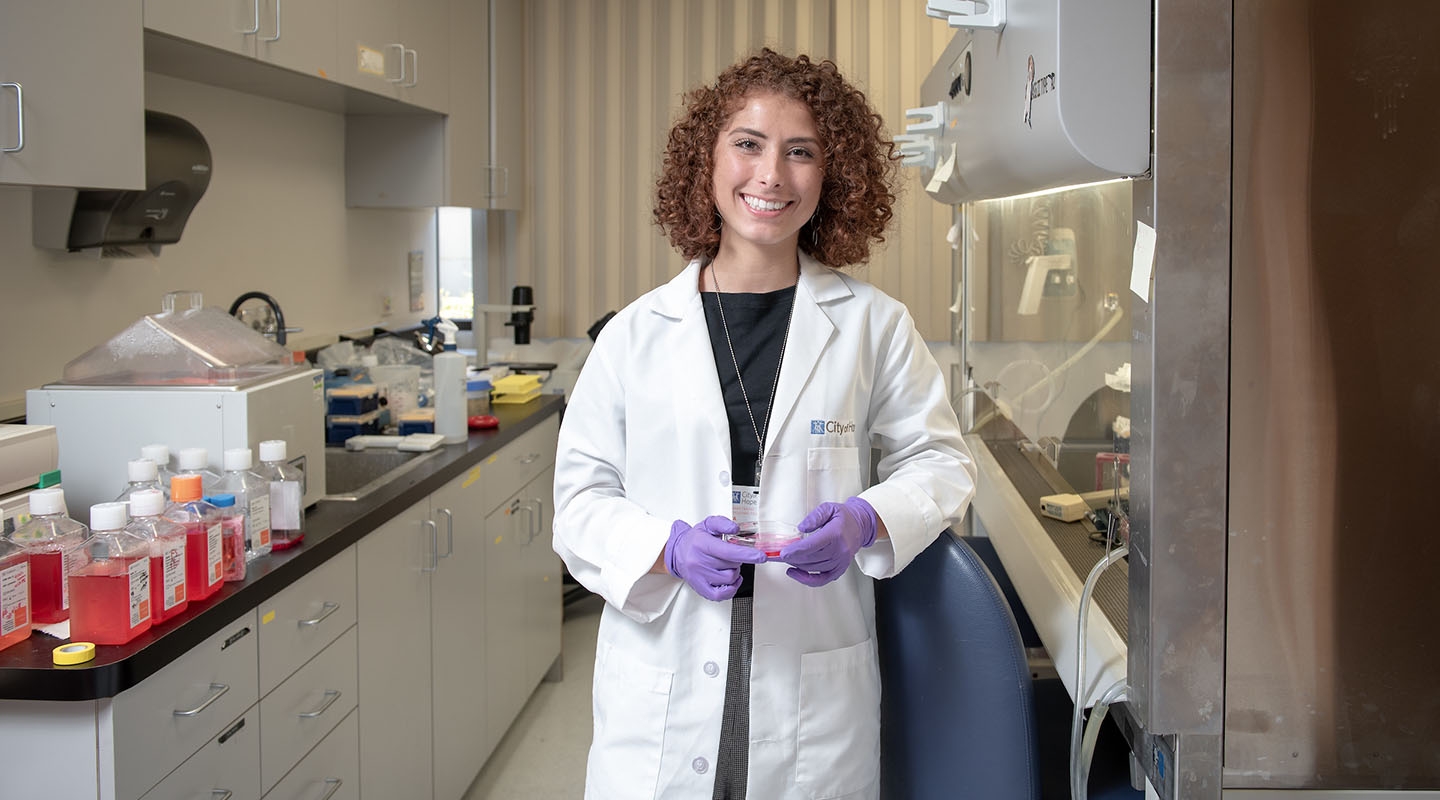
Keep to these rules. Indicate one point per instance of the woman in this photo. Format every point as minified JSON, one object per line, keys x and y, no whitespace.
{"x":752,"y":388}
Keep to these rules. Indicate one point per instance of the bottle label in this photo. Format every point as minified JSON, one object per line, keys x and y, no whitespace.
{"x":214,"y":539}
{"x":66,"y":564}
{"x":285,"y":505}
{"x":172,"y":560}
{"x":259,"y":521}
{"x":14,"y":597}
{"x":139,"y":591}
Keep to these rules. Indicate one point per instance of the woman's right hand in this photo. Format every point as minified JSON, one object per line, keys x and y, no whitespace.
{"x":700,"y":557}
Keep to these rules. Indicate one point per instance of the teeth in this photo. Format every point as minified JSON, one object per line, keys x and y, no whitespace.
{"x":761,"y":205}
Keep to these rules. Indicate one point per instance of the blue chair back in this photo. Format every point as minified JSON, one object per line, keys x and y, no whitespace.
{"x":957,"y":704}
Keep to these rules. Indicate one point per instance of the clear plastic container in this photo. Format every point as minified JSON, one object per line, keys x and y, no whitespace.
{"x":185,"y":344}
{"x":52,"y":540}
{"x":160,"y":454}
{"x":252,"y":496}
{"x":168,"y":597}
{"x":767,"y":535}
{"x":110,"y":590}
{"x":143,"y":474}
{"x":14,"y":594}
{"x":232,"y":536}
{"x":204,"y":538}
{"x":287,"y":495}
{"x":196,"y":461}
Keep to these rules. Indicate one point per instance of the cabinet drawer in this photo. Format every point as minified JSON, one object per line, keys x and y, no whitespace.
{"x":171,"y":714}
{"x":227,"y":767}
{"x":519,"y":462}
{"x":304,"y":708}
{"x":330,"y":772}
{"x":300,"y":621}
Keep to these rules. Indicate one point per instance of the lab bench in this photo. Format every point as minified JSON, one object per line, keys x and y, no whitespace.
{"x":417,"y":619}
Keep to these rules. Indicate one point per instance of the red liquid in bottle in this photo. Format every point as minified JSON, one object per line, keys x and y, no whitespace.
{"x":14,"y":599}
{"x":48,"y":596}
{"x":233,"y":548}
{"x":203,"y":559}
{"x":111,"y":601}
{"x":167,"y":582}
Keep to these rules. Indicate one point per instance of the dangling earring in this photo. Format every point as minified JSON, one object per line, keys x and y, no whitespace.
{"x":717,"y":222}
{"x":815,"y":228}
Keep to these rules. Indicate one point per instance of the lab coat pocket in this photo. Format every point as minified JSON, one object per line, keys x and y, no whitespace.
{"x":838,"y":751}
{"x":832,"y":474}
{"x":631,"y":702}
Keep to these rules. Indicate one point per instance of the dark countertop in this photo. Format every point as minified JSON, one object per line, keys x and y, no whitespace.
{"x":28,"y":673}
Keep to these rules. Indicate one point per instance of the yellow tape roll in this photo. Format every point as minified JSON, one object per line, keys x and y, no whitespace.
{"x":73,"y":653}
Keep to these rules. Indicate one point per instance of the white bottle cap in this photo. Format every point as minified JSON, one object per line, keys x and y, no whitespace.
{"x":142,"y":470}
{"x":158,"y":453}
{"x":272,"y":450}
{"x":192,"y":458}
{"x":108,"y":516}
{"x":47,"y":501}
{"x":147,"y":503}
{"x":238,"y":458}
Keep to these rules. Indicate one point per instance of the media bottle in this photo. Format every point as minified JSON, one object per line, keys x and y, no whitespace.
{"x":204,"y":544}
{"x":168,"y":596}
{"x":51,"y":540}
{"x":160,"y":454}
{"x":14,"y":594}
{"x":449,"y":368}
{"x":110,"y":588}
{"x":232,"y":536}
{"x":142,"y":474}
{"x":287,"y":495}
{"x":252,"y":498}
{"x":196,"y":461}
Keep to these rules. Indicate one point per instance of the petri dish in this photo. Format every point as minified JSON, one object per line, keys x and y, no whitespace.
{"x":767,"y":535}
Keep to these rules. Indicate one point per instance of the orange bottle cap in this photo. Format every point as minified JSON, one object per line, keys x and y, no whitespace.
{"x":184,"y":488}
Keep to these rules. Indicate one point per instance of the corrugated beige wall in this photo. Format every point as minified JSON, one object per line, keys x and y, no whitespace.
{"x":604,"y":80}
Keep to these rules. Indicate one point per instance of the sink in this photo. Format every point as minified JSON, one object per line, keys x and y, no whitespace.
{"x":353,"y":474}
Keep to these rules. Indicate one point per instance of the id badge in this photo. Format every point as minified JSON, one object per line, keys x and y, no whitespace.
{"x":745,"y":506}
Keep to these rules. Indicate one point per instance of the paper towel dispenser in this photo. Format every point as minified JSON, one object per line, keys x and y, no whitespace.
{"x":132,"y":222}
{"x":1033,"y":95}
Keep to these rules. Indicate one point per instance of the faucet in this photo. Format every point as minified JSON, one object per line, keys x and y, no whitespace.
{"x":280,"y":329}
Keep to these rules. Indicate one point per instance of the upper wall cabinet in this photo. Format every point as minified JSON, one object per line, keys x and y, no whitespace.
{"x":72,"y":94}
{"x":396,"y":49}
{"x":295,"y":34}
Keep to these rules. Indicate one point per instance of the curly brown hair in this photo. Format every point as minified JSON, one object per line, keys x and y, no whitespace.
{"x":860,"y":160}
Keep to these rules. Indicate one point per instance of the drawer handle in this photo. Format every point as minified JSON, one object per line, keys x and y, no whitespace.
{"x":331,"y":695}
{"x":334,"y":784}
{"x":434,"y":545}
{"x":221,"y":794}
{"x":216,"y":690}
{"x":449,"y":532}
{"x":328,"y":608}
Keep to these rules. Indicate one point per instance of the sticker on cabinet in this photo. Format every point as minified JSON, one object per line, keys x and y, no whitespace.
{"x":370,"y":61}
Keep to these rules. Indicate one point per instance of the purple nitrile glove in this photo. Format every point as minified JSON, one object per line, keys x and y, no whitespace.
{"x":835,"y":532}
{"x":707,"y":562}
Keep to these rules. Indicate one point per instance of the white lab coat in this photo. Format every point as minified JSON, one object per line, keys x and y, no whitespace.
{"x":645,"y":441}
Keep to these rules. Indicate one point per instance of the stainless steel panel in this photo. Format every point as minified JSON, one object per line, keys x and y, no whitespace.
{"x":1330,"y":643}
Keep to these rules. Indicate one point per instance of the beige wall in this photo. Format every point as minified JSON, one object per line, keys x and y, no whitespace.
{"x":273,"y":220}
{"x":605,"y":79}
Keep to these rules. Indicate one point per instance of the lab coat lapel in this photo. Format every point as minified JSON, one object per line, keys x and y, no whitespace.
{"x":811,"y":329}
{"x":696,"y":383}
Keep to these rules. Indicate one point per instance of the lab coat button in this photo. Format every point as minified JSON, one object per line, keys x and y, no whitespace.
{"x":712,"y":669}
{"x":724,"y":478}
{"x":700,"y":766}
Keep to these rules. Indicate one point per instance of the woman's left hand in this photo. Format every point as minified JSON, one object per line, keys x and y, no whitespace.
{"x":835,"y":532}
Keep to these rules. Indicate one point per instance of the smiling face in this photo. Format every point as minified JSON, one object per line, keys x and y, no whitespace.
{"x":769,"y":169}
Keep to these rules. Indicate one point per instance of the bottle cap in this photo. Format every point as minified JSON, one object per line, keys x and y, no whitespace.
{"x":142,"y":470}
{"x":73,"y":653}
{"x":192,"y":458}
{"x":238,"y":458}
{"x":272,"y":450}
{"x":184,"y":488}
{"x":108,"y":516}
{"x":221,"y":500}
{"x":158,"y":453}
{"x":47,"y":501}
{"x":147,"y":503}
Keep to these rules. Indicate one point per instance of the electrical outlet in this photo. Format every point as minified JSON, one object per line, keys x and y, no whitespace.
{"x":1060,"y":283}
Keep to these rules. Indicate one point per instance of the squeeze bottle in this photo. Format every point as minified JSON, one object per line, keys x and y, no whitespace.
{"x":143,"y":474}
{"x":167,"y":553}
{"x":51,"y":540}
{"x":204,"y":544}
{"x":14,"y":594}
{"x":252,"y":498}
{"x":287,"y":495}
{"x":449,"y":367}
{"x":110,"y":588}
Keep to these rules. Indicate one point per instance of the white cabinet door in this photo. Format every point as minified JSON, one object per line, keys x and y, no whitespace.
{"x":425,"y":33}
{"x":331,"y":771}
{"x":544,"y":597}
{"x":299,"y":35}
{"x":229,"y":25}
{"x":506,"y":530}
{"x":458,"y":626}
{"x":228,"y":767}
{"x":507,"y":106}
{"x":395,"y":564}
{"x":370,"y":53}
{"x":72,"y":94}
